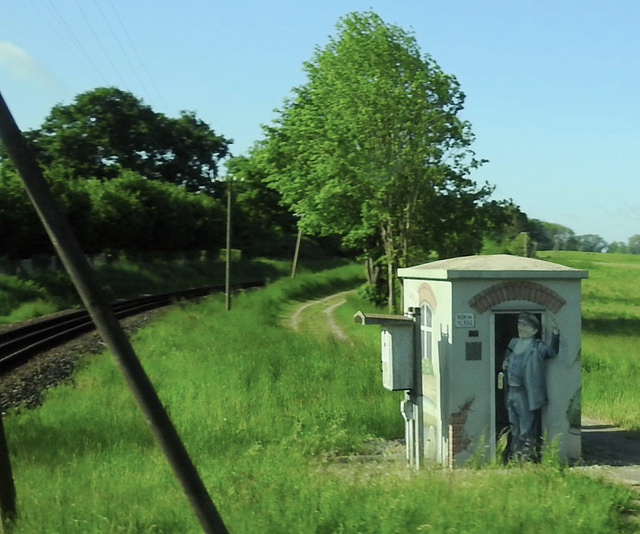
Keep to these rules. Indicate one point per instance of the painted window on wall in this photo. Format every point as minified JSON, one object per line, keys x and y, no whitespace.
{"x":426,"y":338}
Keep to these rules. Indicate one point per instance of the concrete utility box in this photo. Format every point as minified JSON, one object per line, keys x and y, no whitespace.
{"x":461,"y":315}
{"x":398,"y":349}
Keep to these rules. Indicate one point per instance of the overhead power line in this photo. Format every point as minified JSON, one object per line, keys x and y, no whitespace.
{"x":122,"y":48}
{"x":102,"y":47}
{"x":64,"y":40}
{"x":94,"y":21}
{"x":135,"y":51}
{"x":76,"y":42}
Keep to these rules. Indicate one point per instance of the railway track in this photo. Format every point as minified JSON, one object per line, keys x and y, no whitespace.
{"x":18,"y":345}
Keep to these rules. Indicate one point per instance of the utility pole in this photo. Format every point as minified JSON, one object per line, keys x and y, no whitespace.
{"x":297,"y":249}
{"x":525,"y":244}
{"x":295,"y":254}
{"x":74,"y":260}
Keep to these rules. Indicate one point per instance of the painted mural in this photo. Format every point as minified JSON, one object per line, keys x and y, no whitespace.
{"x":525,"y":386}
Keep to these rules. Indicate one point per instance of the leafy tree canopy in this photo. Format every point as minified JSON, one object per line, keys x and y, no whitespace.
{"x":259,"y":220}
{"x":372,"y":147}
{"x":618,"y":246}
{"x":107,"y":130}
{"x":257,"y":200}
{"x":521,"y":234}
{"x":127,"y":212}
{"x":549,"y":236}
{"x":591,"y":243}
{"x":633,"y":246}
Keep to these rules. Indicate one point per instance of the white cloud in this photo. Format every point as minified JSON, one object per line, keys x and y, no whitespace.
{"x":25,"y":67}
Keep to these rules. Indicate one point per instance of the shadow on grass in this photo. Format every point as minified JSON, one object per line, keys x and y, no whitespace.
{"x":628,"y":327}
{"x":50,"y":442}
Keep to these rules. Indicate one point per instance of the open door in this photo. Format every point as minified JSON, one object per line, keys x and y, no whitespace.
{"x":506,"y":328}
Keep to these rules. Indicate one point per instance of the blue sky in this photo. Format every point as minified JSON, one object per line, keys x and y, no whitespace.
{"x":551,"y":86}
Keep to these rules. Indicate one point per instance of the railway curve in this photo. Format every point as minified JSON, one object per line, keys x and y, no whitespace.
{"x":40,"y":353}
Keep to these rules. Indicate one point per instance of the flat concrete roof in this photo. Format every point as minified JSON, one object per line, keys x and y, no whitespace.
{"x":493,"y":266}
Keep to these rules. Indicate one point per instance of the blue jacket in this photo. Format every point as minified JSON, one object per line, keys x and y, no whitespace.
{"x":534,"y":368}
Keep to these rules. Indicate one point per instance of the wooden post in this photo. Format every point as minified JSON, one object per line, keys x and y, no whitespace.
{"x":525,"y":244}
{"x":391,"y":285}
{"x":108,"y":326}
{"x":8,"y":511}
{"x":295,"y":254}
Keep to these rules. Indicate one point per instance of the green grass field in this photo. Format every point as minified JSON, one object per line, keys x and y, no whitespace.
{"x":269,"y":415}
{"x":610,"y":334}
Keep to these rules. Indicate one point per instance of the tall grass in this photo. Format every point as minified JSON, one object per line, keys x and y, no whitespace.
{"x":49,"y":291}
{"x":268,"y":416}
{"x":610,"y":334}
{"x":22,"y":299}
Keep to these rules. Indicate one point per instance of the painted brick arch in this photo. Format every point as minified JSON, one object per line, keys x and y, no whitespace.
{"x":426,"y":294}
{"x":517,"y":290}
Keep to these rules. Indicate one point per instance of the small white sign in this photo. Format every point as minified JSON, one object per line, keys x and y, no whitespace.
{"x":465,"y":320}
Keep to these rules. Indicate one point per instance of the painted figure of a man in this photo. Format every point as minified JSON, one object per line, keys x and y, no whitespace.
{"x":524,"y":366}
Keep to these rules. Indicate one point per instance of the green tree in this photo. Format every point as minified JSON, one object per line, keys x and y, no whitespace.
{"x":372,"y":148}
{"x":633,"y":246}
{"x":127,"y":212}
{"x":106,"y":130}
{"x":21,"y":232}
{"x":618,"y":247}
{"x":519,"y":234}
{"x":132,"y":213}
{"x":590,"y":243}
{"x":260,"y":222}
{"x":505,"y":238}
{"x":556,"y":237}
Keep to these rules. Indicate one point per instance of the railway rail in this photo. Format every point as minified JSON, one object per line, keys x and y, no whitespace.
{"x":18,"y":345}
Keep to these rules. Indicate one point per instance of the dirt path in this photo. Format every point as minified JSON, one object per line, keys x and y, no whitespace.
{"x":330,"y":303}
{"x":611,"y":452}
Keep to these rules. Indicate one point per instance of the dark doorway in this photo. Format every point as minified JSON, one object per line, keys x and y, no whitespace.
{"x":506,"y":328}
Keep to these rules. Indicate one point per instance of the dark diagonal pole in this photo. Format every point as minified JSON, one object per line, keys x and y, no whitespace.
{"x":97,"y":304}
{"x":8,"y":511}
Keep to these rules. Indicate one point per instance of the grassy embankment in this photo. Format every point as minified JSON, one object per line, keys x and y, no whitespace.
{"x":47,"y":292}
{"x":266,"y":414}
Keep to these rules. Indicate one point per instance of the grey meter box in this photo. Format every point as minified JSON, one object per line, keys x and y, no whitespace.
{"x":398,"y":351}
{"x":397,"y":357}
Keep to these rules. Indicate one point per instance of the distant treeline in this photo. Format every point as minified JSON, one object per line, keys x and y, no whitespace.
{"x":131,"y":213}
{"x":524,"y":236}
